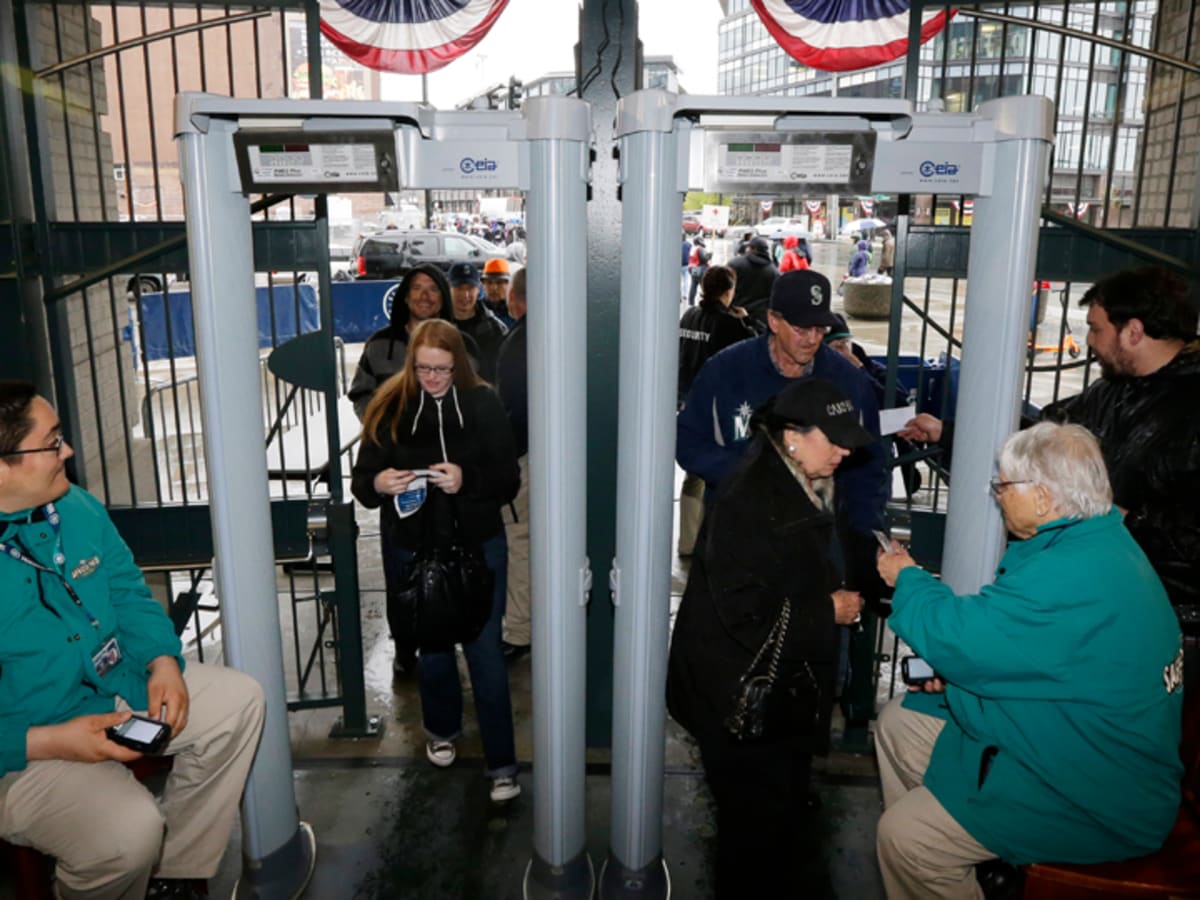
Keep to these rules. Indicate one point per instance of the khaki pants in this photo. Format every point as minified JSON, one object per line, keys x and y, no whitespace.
{"x":691,"y":513}
{"x":516,"y":608}
{"x":107,"y":831}
{"x":923,"y":852}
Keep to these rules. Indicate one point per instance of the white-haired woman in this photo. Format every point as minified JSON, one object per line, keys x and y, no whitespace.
{"x":1052,"y":731}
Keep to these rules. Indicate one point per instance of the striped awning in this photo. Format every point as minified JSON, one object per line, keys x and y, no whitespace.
{"x":408,"y":36}
{"x":843,"y":35}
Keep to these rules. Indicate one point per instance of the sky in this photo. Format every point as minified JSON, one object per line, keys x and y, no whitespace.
{"x":534,"y":37}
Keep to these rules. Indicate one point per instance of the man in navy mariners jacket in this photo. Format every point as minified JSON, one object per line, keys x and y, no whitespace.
{"x":713,"y":428}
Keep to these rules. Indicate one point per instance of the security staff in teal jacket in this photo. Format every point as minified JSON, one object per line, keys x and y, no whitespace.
{"x":82,"y":644}
{"x":1052,"y":732}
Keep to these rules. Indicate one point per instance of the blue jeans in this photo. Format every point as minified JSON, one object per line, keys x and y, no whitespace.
{"x":441,"y":689}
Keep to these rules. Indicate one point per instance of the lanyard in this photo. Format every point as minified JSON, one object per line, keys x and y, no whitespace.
{"x":21,"y":554}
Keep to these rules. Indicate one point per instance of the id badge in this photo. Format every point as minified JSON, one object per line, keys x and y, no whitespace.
{"x":107,"y":657}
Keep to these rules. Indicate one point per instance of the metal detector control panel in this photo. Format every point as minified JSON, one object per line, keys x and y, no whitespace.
{"x":288,"y":160}
{"x":759,"y":162}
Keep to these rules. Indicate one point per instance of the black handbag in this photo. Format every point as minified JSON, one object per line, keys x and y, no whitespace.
{"x":776,"y":704}
{"x":446,"y":591}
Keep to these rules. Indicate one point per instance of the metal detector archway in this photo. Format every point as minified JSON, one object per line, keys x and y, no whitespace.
{"x":672,"y":143}
{"x":231,"y":148}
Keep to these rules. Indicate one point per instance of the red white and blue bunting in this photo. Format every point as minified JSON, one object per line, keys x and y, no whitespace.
{"x":408,"y":36}
{"x":843,"y":35}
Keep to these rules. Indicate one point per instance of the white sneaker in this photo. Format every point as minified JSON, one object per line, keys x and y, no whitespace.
{"x":441,"y":753}
{"x":505,"y":788}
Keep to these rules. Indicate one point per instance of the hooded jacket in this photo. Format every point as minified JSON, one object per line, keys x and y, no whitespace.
{"x":793,"y":259}
{"x":1149,"y":433}
{"x":756,"y":274}
{"x":468,"y":428}
{"x":383,"y":354}
{"x":1063,"y":701}
{"x":860,"y":262}
{"x":47,"y":640}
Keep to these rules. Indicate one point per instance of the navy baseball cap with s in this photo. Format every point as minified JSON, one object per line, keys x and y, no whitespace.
{"x":802,"y":298}
{"x":462,"y":273}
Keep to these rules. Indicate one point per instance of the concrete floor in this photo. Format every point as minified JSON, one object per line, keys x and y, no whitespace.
{"x":389,"y":825}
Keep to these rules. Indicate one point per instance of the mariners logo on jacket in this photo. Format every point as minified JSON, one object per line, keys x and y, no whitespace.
{"x":741,"y":422}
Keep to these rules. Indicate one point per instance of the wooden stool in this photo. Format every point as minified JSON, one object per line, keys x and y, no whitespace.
{"x":1172,"y":872}
{"x":33,"y":871}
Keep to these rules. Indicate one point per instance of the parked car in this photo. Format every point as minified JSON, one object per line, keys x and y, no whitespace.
{"x":389,"y":254}
{"x":772,"y":227}
{"x":692,"y":223}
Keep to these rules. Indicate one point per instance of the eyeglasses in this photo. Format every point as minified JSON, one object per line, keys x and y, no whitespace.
{"x":56,"y":448}
{"x":999,"y":487}
{"x":434,"y":370}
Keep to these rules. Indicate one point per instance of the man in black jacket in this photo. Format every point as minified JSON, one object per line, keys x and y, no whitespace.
{"x":512,"y":380}
{"x":474,"y":319}
{"x":1142,"y":331}
{"x":756,"y":274}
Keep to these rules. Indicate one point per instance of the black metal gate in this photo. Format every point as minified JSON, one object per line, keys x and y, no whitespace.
{"x":95,"y":224}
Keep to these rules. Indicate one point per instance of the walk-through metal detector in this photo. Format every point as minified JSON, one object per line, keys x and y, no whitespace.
{"x":670,"y":144}
{"x":231,"y":148}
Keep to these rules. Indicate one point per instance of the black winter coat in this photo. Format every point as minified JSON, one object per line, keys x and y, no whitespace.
{"x":704,"y":331}
{"x":1149,"y":432}
{"x":755,"y":277}
{"x":512,"y":381}
{"x":762,"y":541}
{"x":481,"y":444}
{"x":488,"y":333}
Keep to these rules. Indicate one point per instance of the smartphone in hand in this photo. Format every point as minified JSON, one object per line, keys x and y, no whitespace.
{"x":140,"y":733}
{"x":914,"y":671}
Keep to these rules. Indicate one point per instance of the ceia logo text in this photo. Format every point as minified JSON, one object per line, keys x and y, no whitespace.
{"x":470,"y":166}
{"x":929,"y":168}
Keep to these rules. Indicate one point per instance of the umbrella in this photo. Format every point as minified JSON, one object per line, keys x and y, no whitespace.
{"x":862,"y":225}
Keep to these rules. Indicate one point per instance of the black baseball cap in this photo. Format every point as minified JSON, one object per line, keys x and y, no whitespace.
{"x":817,"y":403}
{"x":761,"y":244}
{"x":462,"y":273}
{"x":839,"y":329}
{"x":802,"y":298}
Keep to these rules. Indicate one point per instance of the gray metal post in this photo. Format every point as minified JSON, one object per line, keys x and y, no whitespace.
{"x":1000,"y":273}
{"x":279,"y":850}
{"x":641,"y":574}
{"x":558,"y":132}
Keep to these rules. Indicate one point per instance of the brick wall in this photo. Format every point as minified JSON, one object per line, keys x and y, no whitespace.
{"x":1172,"y":126}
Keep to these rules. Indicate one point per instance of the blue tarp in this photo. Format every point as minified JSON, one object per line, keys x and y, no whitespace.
{"x":927,"y":375}
{"x":360,"y":308}
{"x":154,"y":313}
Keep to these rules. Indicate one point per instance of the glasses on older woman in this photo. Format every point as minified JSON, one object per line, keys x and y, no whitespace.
{"x":434,"y":370}
{"x":998,"y":487}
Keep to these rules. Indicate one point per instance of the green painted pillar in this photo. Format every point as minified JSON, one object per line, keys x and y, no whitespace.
{"x":608,"y":55}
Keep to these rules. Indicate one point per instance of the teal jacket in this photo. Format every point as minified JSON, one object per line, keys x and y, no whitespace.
{"x":1063,"y":705}
{"x":47,"y":640}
